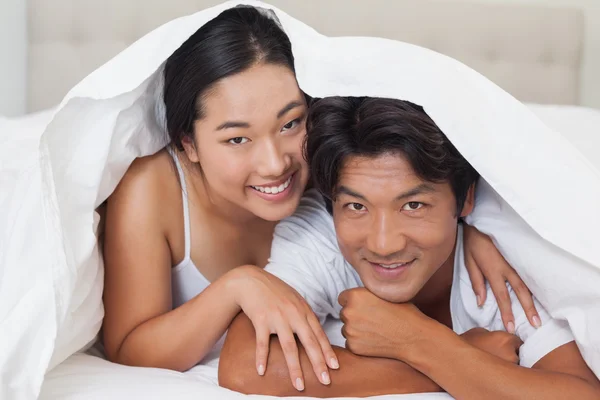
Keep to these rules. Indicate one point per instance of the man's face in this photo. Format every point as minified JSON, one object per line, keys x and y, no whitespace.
{"x":395,"y":229}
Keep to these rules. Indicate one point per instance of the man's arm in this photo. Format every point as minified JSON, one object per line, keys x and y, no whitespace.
{"x":469,"y":373}
{"x":357,"y":376}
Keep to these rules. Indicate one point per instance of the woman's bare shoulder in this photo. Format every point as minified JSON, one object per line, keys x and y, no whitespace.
{"x":147,"y":173}
{"x":149,"y":184}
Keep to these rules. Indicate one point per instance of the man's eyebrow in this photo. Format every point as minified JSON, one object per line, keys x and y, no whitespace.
{"x":349,"y":192}
{"x":422,"y":188}
{"x":290,"y":106}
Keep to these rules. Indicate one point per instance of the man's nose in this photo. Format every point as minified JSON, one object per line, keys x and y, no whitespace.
{"x":385,"y":239}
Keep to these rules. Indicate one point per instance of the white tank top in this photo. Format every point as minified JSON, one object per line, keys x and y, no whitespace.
{"x":186,"y":280}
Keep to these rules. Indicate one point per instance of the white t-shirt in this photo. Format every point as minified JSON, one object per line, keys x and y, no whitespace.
{"x":305,"y":254}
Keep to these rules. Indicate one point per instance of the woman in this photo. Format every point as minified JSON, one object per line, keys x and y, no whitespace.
{"x":183,"y":221}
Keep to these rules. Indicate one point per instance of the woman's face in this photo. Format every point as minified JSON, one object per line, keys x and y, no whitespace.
{"x":249,"y":142}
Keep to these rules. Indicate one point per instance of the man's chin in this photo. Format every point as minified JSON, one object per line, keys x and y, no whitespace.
{"x":391,"y":293}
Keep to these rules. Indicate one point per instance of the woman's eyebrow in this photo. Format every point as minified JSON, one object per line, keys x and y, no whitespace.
{"x":241,"y":124}
{"x":233,"y":124}
{"x":290,"y":106}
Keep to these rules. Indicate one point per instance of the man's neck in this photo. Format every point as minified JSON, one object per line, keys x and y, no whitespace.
{"x":434,"y":299}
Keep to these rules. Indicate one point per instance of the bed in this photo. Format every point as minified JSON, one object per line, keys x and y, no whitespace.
{"x":542,"y":70}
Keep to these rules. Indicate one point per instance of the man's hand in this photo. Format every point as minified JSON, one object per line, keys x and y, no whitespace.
{"x":376,"y":328}
{"x":498,"y":343}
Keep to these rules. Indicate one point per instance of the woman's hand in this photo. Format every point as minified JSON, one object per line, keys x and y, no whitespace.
{"x":276,"y":308}
{"x":484,"y":261}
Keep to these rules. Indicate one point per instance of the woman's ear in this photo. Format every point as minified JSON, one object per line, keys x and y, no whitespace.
{"x":469,"y":202}
{"x":190,"y":149}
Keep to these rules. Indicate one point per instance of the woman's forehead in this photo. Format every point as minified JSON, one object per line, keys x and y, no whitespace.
{"x":263,"y":89}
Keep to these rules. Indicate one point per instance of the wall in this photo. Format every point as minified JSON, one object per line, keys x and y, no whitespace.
{"x":590,"y":84}
{"x":13,"y":66}
{"x":13,"y":54}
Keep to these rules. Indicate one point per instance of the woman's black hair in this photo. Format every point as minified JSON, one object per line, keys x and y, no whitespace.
{"x":234,"y":41}
{"x":343,"y":127}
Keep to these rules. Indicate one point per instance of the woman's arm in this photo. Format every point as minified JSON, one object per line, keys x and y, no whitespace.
{"x":140,"y":327}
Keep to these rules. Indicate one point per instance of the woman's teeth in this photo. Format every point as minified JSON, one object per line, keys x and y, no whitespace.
{"x":274,"y":189}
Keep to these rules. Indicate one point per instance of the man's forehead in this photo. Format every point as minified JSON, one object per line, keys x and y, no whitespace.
{"x":392,"y":174}
{"x":389,"y":166}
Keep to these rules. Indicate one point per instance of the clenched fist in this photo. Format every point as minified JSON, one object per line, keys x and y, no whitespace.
{"x":376,"y":328}
{"x":498,"y":343}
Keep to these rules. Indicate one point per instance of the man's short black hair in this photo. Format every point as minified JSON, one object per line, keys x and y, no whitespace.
{"x":342,"y":127}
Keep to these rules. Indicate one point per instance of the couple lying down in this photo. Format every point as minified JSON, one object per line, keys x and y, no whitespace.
{"x":386,"y":210}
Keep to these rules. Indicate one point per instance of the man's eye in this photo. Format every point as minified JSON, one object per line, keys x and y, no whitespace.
{"x":412,"y":206}
{"x":238,"y":140}
{"x":356,"y":207}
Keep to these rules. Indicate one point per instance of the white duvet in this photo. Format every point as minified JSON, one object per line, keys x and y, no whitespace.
{"x":60,"y":165}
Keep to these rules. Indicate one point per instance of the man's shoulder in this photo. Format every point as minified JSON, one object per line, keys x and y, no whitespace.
{"x":305,"y":255}
{"x":311,"y":222}
{"x":311,"y":209}
{"x":466,"y":314}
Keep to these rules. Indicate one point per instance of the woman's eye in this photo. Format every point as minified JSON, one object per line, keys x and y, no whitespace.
{"x":238,"y":140}
{"x":291,"y":124}
{"x":356,"y":207}
{"x":412,"y":206}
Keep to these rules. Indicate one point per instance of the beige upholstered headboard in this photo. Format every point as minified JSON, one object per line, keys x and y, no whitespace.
{"x":532,"y":52}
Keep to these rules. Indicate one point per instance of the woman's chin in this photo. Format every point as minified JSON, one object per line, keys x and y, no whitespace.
{"x":275,"y":213}
{"x":274,"y":207}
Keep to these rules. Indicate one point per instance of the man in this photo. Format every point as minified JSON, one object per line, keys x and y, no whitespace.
{"x":397,"y":189}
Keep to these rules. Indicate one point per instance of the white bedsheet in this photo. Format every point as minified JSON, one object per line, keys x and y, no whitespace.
{"x":50,"y":268}
{"x":88,"y":377}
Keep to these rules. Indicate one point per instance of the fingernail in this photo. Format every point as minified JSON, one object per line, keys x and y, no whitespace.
{"x":536,"y":321}
{"x":299,"y":384}
{"x":325,"y":378}
{"x":334,"y":363}
{"x":479,"y":301}
{"x":261,"y":370}
{"x":510,"y":327}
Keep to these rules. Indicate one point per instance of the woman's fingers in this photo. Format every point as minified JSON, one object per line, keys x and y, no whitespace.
{"x":313,"y":351}
{"x":504,"y":303}
{"x":290,"y":352}
{"x":477,"y":279}
{"x":525,"y":298}
{"x":263,"y":336}
{"x":330,"y":356}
